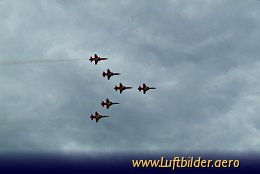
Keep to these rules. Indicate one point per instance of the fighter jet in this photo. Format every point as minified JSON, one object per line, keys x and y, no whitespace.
{"x":144,"y":88}
{"x":97,"y":116}
{"x":109,"y":74}
{"x":107,"y":103}
{"x":121,"y":88}
{"x":96,"y":58}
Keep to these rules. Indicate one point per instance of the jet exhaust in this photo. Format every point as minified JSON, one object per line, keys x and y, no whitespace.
{"x":38,"y":61}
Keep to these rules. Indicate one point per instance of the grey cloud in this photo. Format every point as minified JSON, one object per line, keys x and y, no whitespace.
{"x":202,"y":57}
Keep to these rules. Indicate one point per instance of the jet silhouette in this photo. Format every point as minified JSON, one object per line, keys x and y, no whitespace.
{"x":145,"y":88}
{"x":109,"y":74}
{"x":96,"y":58}
{"x":121,"y":88}
{"x":97,"y":116}
{"x":107,"y":103}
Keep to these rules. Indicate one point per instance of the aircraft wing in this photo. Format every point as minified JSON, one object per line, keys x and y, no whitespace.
{"x":96,"y":56}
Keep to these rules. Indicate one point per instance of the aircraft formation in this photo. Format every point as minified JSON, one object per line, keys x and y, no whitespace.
{"x":107,"y":103}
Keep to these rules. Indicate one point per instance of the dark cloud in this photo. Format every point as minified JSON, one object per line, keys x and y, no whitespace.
{"x":202,"y":57}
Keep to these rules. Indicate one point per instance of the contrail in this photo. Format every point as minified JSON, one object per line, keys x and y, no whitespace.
{"x":38,"y":61}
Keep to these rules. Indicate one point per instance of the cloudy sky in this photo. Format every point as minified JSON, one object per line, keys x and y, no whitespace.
{"x":203,"y":56}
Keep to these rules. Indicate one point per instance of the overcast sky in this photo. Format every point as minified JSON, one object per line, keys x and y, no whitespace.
{"x":203,"y":57}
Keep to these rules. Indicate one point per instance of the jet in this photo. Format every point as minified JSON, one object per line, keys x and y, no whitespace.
{"x":96,"y":58}
{"x":121,"y":88}
{"x":145,"y":88}
{"x":97,"y":116}
{"x":107,"y":103}
{"x":109,"y":74}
